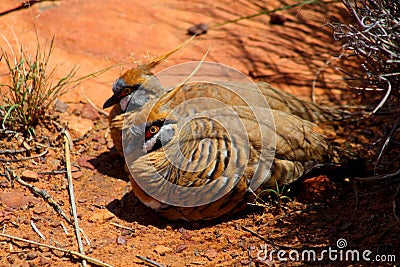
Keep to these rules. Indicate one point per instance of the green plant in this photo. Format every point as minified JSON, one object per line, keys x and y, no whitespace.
{"x":278,"y":195}
{"x":31,"y":88}
{"x":272,"y":197}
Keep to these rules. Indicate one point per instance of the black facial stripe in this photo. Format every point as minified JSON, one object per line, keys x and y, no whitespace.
{"x":157,"y":145}
{"x":159,"y":123}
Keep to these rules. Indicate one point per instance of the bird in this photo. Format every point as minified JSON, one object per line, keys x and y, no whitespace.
{"x":281,"y":148}
{"x":190,"y":162}
{"x":139,"y":85}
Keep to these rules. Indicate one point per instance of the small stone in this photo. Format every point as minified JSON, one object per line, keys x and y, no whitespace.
{"x":89,"y":112}
{"x":78,"y":126}
{"x":4,"y":184}
{"x":44,"y":262}
{"x":76,"y":175}
{"x":60,"y":106}
{"x":198,"y":29}
{"x":277,"y":19}
{"x":210,"y":253}
{"x":101,"y":216}
{"x":162,"y":250}
{"x":39,"y":209}
{"x":54,"y":223}
{"x":121,"y":240}
{"x":180,"y":248}
{"x":185,"y":233}
{"x":30,"y":175}
{"x":16,"y":199}
{"x":5,"y":216}
{"x":84,"y":161}
{"x":31,"y":256}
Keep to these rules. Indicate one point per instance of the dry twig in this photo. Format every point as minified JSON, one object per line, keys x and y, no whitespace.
{"x":72,"y":196}
{"x":71,"y":252}
{"x":268,"y":241}
{"x":39,"y":192}
{"x":153,"y":263}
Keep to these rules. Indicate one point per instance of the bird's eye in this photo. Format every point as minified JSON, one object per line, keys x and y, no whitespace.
{"x":151,"y":131}
{"x":126,"y":91}
{"x":154,"y":129}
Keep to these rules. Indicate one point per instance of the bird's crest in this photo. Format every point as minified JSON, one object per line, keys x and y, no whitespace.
{"x":171,"y":93}
{"x":156,"y":61}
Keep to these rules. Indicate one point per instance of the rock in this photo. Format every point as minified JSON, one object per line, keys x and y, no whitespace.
{"x":60,"y":106}
{"x":40,"y":208}
{"x":76,"y":175}
{"x":210,"y":253}
{"x":121,"y":240}
{"x":30,"y":175}
{"x":198,"y":29}
{"x":101,"y":216}
{"x":162,"y":250}
{"x":277,"y":19}
{"x":89,"y":112}
{"x":16,"y":199}
{"x":317,"y":189}
{"x":185,"y":233}
{"x":180,"y":248}
{"x":31,"y":256}
{"x":84,"y":161}
{"x":78,"y":126}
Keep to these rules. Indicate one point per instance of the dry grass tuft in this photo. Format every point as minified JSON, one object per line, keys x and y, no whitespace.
{"x":372,"y":40}
{"x":31,"y":89}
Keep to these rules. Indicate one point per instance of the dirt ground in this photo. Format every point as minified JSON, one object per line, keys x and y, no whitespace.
{"x":323,"y":213}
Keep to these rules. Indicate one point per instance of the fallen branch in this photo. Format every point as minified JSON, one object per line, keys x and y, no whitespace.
{"x":268,"y":241}
{"x":71,"y":196}
{"x":105,"y":113}
{"x":123,"y":227}
{"x":71,"y":252}
{"x":28,"y":158}
{"x":149,"y":261}
{"x":40,"y":192}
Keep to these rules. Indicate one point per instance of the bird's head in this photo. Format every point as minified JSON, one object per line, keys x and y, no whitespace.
{"x":153,"y":127}
{"x":138,"y":85}
{"x":134,"y":87}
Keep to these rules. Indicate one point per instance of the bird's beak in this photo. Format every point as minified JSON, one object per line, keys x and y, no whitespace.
{"x":111,"y":102}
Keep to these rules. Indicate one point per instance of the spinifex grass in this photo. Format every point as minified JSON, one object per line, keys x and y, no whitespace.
{"x":31,"y":88}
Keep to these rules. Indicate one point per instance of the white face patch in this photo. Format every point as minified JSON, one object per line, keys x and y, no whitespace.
{"x":149,"y":144}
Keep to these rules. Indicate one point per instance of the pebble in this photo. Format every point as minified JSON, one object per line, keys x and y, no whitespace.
{"x":180,"y":248}
{"x":89,"y":112}
{"x":60,"y":106}
{"x":78,"y":126}
{"x":17,"y":199}
{"x":84,"y":161}
{"x":185,"y":233}
{"x":40,"y":208}
{"x":30,"y":175}
{"x":121,"y":240}
{"x":162,"y":250}
{"x":76,"y":175}
{"x":210,"y":253}
{"x":101,"y":216}
{"x":198,"y":29}
{"x":31,"y":256}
